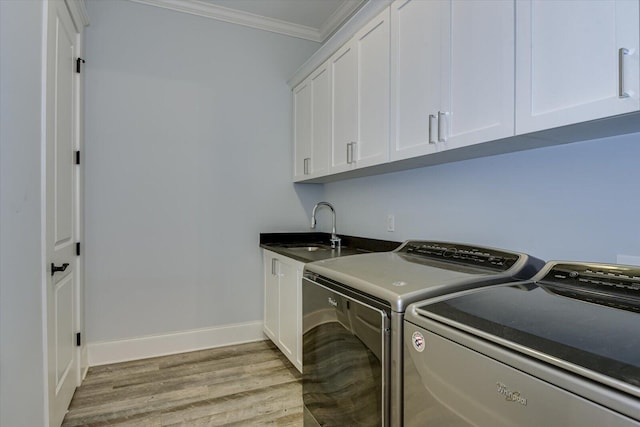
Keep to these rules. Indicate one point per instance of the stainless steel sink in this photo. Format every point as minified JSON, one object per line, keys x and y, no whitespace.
{"x":308,"y":247}
{"x":311,"y":248}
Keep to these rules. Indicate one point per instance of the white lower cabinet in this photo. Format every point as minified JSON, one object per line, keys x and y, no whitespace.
{"x":283,"y":304}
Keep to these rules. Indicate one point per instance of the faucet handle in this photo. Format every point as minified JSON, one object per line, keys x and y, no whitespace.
{"x":335,"y":242}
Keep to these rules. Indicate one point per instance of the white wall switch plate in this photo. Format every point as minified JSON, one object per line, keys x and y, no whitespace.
{"x":391,"y":222}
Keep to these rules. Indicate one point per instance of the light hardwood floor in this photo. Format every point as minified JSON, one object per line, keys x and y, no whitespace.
{"x":244,"y":385}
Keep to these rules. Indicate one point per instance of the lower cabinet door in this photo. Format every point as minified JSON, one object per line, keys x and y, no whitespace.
{"x":283,"y":305}
{"x":289,"y":308}
{"x":271,"y":295}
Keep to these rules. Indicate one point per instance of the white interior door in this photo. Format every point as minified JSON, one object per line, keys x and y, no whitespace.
{"x":60,"y":215}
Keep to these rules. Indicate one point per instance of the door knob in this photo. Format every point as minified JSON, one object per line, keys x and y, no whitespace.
{"x":55,"y":268}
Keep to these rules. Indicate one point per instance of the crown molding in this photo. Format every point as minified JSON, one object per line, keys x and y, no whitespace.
{"x":366,"y":11}
{"x":220,"y":13}
{"x":338,"y":17}
{"x":79,"y":15}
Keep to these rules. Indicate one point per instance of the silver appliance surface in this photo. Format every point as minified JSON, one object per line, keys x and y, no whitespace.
{"x":560,"y":349}
{"x":421,"y":269}
{"x":333,"y":293}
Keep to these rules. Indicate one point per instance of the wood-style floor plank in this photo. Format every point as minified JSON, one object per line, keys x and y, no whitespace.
{"x":248,"y":384}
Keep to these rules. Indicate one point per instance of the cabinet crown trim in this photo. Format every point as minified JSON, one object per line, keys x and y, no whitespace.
{"x":364,"y":14}
{"x":247,"y":19}
{"x":79,"y":14}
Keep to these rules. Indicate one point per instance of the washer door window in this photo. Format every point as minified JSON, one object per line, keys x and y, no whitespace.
{"x":343,"y":350}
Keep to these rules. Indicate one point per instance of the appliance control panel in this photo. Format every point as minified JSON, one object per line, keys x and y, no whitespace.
{"x":465,"y":254}
{"x":606,"y":284}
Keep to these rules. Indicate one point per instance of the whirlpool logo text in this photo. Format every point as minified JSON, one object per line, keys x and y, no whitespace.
{"x":511,"y":396}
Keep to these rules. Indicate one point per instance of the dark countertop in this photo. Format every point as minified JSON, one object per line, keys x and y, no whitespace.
{"x":293,"y":245}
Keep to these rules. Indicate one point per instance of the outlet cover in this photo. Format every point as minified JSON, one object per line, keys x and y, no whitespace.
{"x":391,"y":222}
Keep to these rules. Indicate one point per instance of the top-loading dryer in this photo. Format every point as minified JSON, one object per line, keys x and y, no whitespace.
{"x":561,"y":349}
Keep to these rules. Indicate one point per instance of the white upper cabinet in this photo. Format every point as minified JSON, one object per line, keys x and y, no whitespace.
{"x":321,"y":121}
{"x":576,"y":61}
{"x":360,"y":98}
{"x":435,"y":76}
{"x":312,"y":115}
{"x":452,"y":74}
{"x":480,"y":82}
{"x":302,"y":129}
{"x":419,"y":40}
{"x":344,"y":111}
{"x":372,"y":45}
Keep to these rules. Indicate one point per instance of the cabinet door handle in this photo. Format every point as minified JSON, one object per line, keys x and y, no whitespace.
{"x":621,"y":53}
{"x":306,"y":165}
{"x":353,"y":150}
{"x":441,"y":138}
{"x":274,"y":263}
{"x":350,"y":158}
{"x":431,"y":117}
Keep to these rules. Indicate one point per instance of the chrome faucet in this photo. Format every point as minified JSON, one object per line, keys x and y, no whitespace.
{"x":335,"y":240}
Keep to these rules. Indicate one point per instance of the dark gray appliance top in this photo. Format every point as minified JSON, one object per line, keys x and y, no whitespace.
{"x":582,"y":317}
{"x":422,"y":269}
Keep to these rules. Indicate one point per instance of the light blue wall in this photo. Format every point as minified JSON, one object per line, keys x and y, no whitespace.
{"x":188,"y":139}
{"x":22,"y":351}
{"x":578,"y":201}
{"x":188,"y":159}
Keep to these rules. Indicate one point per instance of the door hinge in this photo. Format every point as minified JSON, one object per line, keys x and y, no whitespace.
{"x":78,"y":248}
{"x":78,"y":340}
{"x":77,"y":157}
{"x":79,"y":61}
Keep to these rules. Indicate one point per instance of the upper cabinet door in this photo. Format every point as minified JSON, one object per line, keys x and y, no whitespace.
{"x":321,"y":121}
{"x":360,"y":98}
{"x":302,"y":129}
{"x":419,"y":63}
{"x":452,"y":67}
{"x":576,"y":61}
{"x":311,"y":125}
{"x":344,"y":107}
{"x":480,"y":85}
{"x":372,"y":45}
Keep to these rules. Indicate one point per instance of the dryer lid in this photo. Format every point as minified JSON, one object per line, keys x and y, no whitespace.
{"x":553,"y":319}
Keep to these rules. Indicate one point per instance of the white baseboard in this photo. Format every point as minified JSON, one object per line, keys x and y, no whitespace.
{"x":106,"y":352}
{"x":84,"y":361}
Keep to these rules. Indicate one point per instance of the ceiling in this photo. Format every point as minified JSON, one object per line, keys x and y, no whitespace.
{"x":313,"y":20}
